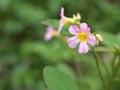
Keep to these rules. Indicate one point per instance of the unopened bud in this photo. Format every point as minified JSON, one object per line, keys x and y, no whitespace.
{"x":78,"y":16}
{"x":99,"y":37}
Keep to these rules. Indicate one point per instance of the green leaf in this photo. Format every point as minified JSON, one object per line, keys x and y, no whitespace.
{"x":11,"y":26}
{"x":47,"y":50}
{"x":67,"y":70}
{"x":110,"y":39}
{"x":51,"y":22}
{"x":29,"y":13}
{"x":57,"y":80}
{"x":88,"y":84}
{"x":4,"y":4}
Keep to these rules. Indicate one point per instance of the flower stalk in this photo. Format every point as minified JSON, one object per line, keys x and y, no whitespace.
{"x":114,"y":73}
{"x":98,"y":67}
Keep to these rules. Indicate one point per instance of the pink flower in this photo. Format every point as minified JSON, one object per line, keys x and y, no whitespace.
{"x":66,"y":20}
{"x":82,"y":36}
{"x":62,"y":21}
{"x":49,"y":33}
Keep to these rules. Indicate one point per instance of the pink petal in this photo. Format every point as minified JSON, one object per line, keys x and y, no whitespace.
{"x":83,"y":48}
{"x":48,"y":34}
{"x":84,"y":27}
{"x":60,"y":25}
{"x":73,"y":41}
{"x":74,"y":30}
{"x":91,"y":40}
{"x":61,"y":20}
{"x":62,"y":12}
{"x":49,"y":28}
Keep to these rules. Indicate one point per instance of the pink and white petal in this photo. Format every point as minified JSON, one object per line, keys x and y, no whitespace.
{"x":70,"y":39}
{"x":83,"y":48}
{"x":48,"y":36}
{"x":91,"y":40}
{"x":73,"y":44}
{"x":49,"y":29}
{"x":60,"y":26}
{"x":62,"y":12}
{"x":74,"y":30}
{"x":84,"y":28}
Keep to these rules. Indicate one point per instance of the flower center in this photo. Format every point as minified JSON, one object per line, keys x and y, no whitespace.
{"x":82,"y":36}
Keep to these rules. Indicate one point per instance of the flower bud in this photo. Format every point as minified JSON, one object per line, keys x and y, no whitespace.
{"x":99,"y":37}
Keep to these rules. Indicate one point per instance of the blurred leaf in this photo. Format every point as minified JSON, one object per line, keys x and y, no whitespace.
{"x":67,"y":70}
{"x":4,"y":4}
{"x":21,"y":75}
{"x":51,"y":22}
{"x":48,"y":51}
{"x":40,"y":85}
{"x":11,"y":26}
{"x":57,"y":80}
{"x":29,"y":13}
{"x":88,"y":84}
{"x":119,"y":36}
{"x":109,"y":38}
{"x":8,"y":60}
{"x":51,"y":5}
{"x":65,"y":31}
{"x":17,"y":75}
{"x":2,"y":84}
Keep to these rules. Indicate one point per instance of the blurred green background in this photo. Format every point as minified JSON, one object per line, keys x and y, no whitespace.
{"x":24,"y":52}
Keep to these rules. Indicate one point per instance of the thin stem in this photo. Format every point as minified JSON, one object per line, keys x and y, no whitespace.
{"x":77,"y":67}
{"x":113,"y":62}
{"x":104,"y":49}
{"x":98,"y":67}
{"x":105,"y":67}
{"x":114,"y":73}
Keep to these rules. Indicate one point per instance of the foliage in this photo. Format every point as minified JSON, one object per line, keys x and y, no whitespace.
{"x":24,"y":53}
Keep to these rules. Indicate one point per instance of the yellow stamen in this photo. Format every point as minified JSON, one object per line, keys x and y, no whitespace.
{"x":82,"y":36}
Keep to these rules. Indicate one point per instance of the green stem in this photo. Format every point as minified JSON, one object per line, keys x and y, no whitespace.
{"x":113,"y":62}
{"x":105,"y":67}
{"x":114,"y":73}
{"x":78,"y":67}
{"x":98,"y":67}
